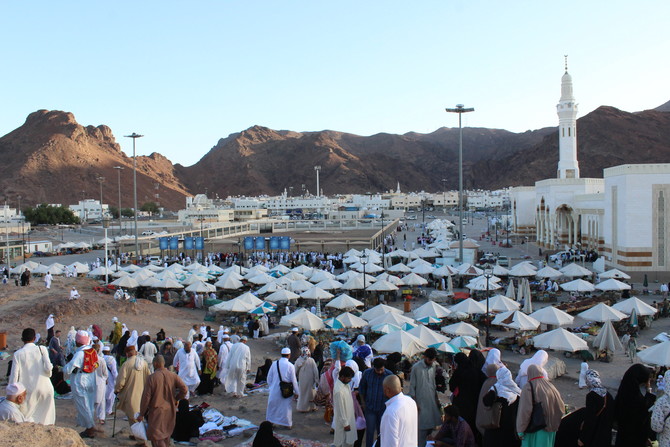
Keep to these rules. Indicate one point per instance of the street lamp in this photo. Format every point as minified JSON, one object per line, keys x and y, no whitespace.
{"x":118,"y":170}
{"x":444,"y":195}
{"x":364,"y":261}
{"x":135,"y":136}
{"x":460,"y":109}
{"x":101,"y":180}
{"x":488,"y":274}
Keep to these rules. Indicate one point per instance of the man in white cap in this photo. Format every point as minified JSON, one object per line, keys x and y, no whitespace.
{"x":363,"y":350}
{"x":83,"y":381}
{"x":238,"y":364}
{"x":187,"y":364}
{"x":47,"y":280}
{"x":74,"y":294}
{"x":148,"y":350}
{"x":224,"y":350}
{"x":293,"y":342}
{"x":112,"y":374}
{"x":50,"y":323}
{"x":280,"y":409}
{"x":31,"y":366}
{"x":10,"y":406}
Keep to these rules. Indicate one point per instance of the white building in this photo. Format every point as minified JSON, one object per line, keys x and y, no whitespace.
{"x":625,"y":216}
{"x":90,"y":209}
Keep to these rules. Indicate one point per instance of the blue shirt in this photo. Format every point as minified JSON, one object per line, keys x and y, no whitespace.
{"x":372,"y":391}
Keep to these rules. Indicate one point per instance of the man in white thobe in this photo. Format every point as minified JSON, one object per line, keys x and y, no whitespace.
{"x":224,"y":350}
{"x":112,"y":374}
{"x":400,"y":420}
{"x":187,"y":364}
{"x":422,"y":389}
{"x":10,"y":406}
{"x":101,"y":376}
{"x":280,"y":410}
{"x":238,"y":364}
{"x":47,"y":280}
{"x":344,"y":418}
{"x":32,"y":367}
{"x":148,"y":351}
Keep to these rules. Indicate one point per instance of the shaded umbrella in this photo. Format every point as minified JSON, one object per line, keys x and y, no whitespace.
{"x":396,"y":281}
{"x":234,"y":305}
{"x":329,"y":284}
{"x":250,"y":298}
{"x":423,"y":269}
{"x":126,"y":282}
{"x":642,"y":308}
{"x":333,"y":323}
{"x":548,"y":272}
{"x":229,"y":283}
{"x":319,"y":276}
{"x":523,"y":269}
{"x":201,"y":287}
{"x":304,"y":319}
{"x":399,"y":341}
{"x":427,"y":336}
{"x":343,"y":301}
{"x":578,"y":285}
{"x":431,"y":309}
{"x":379,"y":310}
{"x":658,"y":355}
{"x":385,"y":328}
{"x":349,"y":320}
{"x":414,"y":280}
{"x":516,"y":320}
{"x":300,"y":285}
{"x":445,"y":270}
{"x":261,"y":310}
{"x":601,"y":312}
{"x":612,"y":285}
{"x":382,"y":286}
{"x":316,"y":293}
{"x":461,"y":328}
{"x":429,"y":320}
{"x":464,"y":341}
{"x":445,"y":347}
{"x":501,"y":303}
{"x":560,"y":340}
{"x":282,"y":295}
{"x":511,"y":292}
{"x":614,"y":273}
{"x":574,"y":271}
{"x":469,"y":306}
{"x":392,"y":318}
{"x":551,"y":315}
{"x":607,"y":339}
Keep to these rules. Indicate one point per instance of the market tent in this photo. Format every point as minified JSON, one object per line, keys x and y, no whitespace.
{"x":126,"y":282}
{"x":481,"y":284}
{"x":234,"y":305}
{"x":501,"y":303}
{"x":423,"y":269}
{"x":260,"y":279}
{"x":79,"y":267}
{"x":574,"y":271}
{"x":607,"y":338}
{"x":201,"y":287}
{"x":578,"y":285}
{"x":392,"y":318}
{"x":414,"y":280}
{"x":469,"y":306}
{"x":282,"y":295}
{"x":396,"y":281}
{"x":303,"y":269}
{"x":499,"y":270}
{"x":427,"y":336}
{"x":100,"y":271}
{"x":658,"y":355}
{"x":431,"y":309}
{"x":601,"y":312}
{"x":523,"y":269}
{"x":250,"y":298}
{"x":300,"y":285}
{"x":552,"y":316}
{"x":343,"y":301}
{"x":269,"y":288}
{"x":304,"y":319}
{"x":316,"y":293}
{"x":349,"y":320}
{"x":548,"y":272}
{"x":399,"y":341}
{"x":168,"y":283}
{"x":560,"y":340}
{"x":614,"y":273}
{"x":461,"y":328}
{"x":229,"y":283}
{"x":382,"y":286}
{"x":378,"y":311}
{"x":516,"y":320}
{"x":445,"y":270}
{"x":320,"y":275}
{"x":612,"y":285}
{"x":385,"y":328}
{"x":642,"y":308}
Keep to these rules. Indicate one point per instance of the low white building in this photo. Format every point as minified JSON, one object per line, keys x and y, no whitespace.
{"x":90,"y":209}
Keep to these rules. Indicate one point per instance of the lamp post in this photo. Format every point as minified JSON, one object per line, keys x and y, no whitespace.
{"x":364,"y":261}
{"x":317,"y":168}
{"x":444,"y":196}
{"x":105,"y":225}
{"x":135,"y":136}
{"x":101,"y":180}
{"x":239,"y":253}
{"x":488,"y":274}
{"x":460,"y":109}
{"x":118,"y":170}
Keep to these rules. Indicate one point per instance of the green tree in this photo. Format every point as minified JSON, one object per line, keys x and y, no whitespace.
{"x":50,"y":215}
{"x":114,"y":211}
{"x":150,"y":207}
{"x":127,"y":212}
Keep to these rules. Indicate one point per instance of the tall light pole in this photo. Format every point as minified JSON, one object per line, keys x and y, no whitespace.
{"x":364,"y":261}
{"x":135,"y":136}
{"x":101,"y":180}
{"x":488,"y":274}
{"x":118,"y":170}
{"x":444,"y":196}
{"x":460,"y":109}
{"x":317,"y":168}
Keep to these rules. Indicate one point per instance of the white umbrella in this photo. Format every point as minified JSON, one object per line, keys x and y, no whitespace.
{"x":120,"y":273}
{"x":499,"y":270}
{"x":445,"y":270}
{"x":392,"y":318}
{"x":296,"y":276}
{"x":480,"y":284}
{"x":382,"y":286}
{"x":612,"y":285}
{"x":607,"y":338}
{"x":511,"y":292}
{"x":431,"y":309}
{"x":601,"y":312}
{"x":399,"y":341}
{"x":614,"y":273}
{"x":79,"y":267}
{"x":269,"y":288}
{"x":578,"y":285}
{"x":527,"y":297}
{"x":282,"y":295}
{"x":142,"y":275}
{"x":658,"y":355}
{"x":229,"y":283}
{"x":349,"y":320}
{"x":353,"y":252}
{"x":469,"y":306}
{"x":234,"y":305}
{"x":642,"y":308}
{"x":385,"y":328}
{"x":201,"y":287}
{"x":575,"y":271}
{"x":461,"y":328}
{"x":320,"y":276}
{"x":346,"y":276}
{"x":281,"y":268}
{"x":300,"y":285}
{"x":329,"y":284}
{"x":100,"y":271}
{"x":427,"y":336}
{"x":523,"y":269}
{"x":469,"y":270}
{"x":343,"y":301}
{"x":399,"y":268}
{"x":378,"y":311}
{"x":303,"y":318}
{"x":501,"y":303}
{"x":414,"y":280}
{"x":517,"y":320}
{"x":551,"y":315}
{"x":423,"y":269}
{"x":560,"y":340}
{"x":464,"y":341}
{"x":260,"y":279}
{"x":250,"y":298}
{"x":303,"y":269}
{"x":168,"y":283}
{"x":126,"y":282}
{"x":390,"y":278}
{"x":316,"y":293}
{"x":548,"y":272}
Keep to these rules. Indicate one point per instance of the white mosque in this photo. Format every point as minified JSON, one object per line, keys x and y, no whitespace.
{"x":625,"y":216}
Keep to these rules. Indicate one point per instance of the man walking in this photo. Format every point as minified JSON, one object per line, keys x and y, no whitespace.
{"x":371,"y":390}
{"x":399,"y":422}
{"x":161,"y":393}
{"x":344,"y":418}
{"x":280,"y":409}
{"x":238,"y":364}
{"x":293,"y":342}
{"x":82,"y":379}
{"x":187,"y":364}
{"x":56,"y":350}
{"x":130,"y":383}
{"x":32,"y":367}
{"x":422,"y":389}
{"x":112,"y":373}
{"x":224,"y":350}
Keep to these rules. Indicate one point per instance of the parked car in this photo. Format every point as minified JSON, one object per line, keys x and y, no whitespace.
{"x":503,"y":261}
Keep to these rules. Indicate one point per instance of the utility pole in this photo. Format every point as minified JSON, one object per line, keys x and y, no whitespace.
{"x":118,"y":170}
{"x":135,"y":136}
{"x":101,"y":180}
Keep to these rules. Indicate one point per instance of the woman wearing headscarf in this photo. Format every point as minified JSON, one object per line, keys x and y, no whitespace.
{"x":596,"y":430}
{"x":132,"y":340}
{"x":265,"y":437}
{"x":209,"y":367}
{"x":262,"y":372}
{"x":187,"y":422}
{"x":543,"y":392}
{"x":168,"y":351}
{"x":308,"y":380}
{"x":121,"y":348}
{"x":659,"y":416}
{"x":486,"y":387}
{"x":540,"y":360}
{"x":465,"y":391}
{"x":506,"y":392}
{"x":492,"y":358}
{"x":70,"y":344}
{"x":631,"y":407}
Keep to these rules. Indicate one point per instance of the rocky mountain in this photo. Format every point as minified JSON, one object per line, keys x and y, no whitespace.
{"x":53,"y":159}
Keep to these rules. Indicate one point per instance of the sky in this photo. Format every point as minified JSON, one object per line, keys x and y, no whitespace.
{"x":186,"y":74}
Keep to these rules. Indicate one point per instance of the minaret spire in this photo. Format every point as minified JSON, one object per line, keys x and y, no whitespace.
{"x":566,"y":62}
{"x":568,"y":166}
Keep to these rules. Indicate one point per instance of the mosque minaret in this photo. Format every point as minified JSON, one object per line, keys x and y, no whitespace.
{"x":568,"y":166}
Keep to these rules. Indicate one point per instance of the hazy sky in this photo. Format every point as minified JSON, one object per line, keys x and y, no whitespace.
{"x":185,"y":74}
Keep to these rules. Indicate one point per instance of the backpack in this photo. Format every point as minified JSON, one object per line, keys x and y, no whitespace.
{"x":90,"y":360}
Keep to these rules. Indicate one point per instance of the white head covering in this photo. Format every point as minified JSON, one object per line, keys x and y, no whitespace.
{"x":178,"y":344}
{"x":235,"y":338}
{"x":124,"y":328}
{"x":285,"y":351}
{"x":115,"y":319}
{"x":50,"y":322}
{"x":505,"y":386}
{"x":219,"y":335}
{"x":540,"y":359}
{"x":356,"y":380}
{"x":492,"y":358}
{"x":14,"y":389}
{"x":132,"y":341}
{"x":361,"y":338}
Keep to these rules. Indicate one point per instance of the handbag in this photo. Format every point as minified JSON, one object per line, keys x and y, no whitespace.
{"x":286,"y":388}
{"x":537,"y":419}
{"x":490,"y":419}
